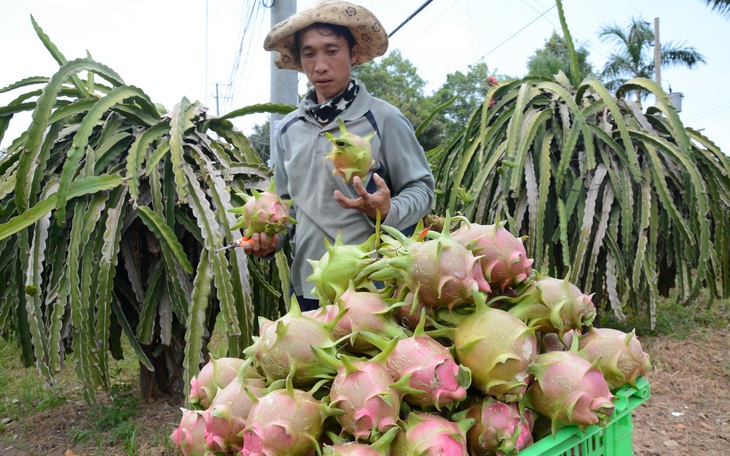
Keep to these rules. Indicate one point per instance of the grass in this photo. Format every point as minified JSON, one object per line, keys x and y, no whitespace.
{"x":676,"y":319}
{"x":111,"y":426}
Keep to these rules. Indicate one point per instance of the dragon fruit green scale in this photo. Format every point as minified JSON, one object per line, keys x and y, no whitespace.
{"x":351,"y":155}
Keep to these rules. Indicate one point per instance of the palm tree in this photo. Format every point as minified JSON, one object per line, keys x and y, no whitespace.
{"x":634,"y":57}
{"x":721,"y":6}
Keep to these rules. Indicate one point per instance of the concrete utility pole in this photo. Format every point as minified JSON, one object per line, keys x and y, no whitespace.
{"x":657,"y":54}
{"x":283,"y":82}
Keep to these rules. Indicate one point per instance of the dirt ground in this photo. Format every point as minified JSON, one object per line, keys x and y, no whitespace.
{"x":688,"y":413}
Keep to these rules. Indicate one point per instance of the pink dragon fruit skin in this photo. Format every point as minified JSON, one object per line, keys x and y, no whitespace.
{"x":351,"y":154}
{"x":567,"y":389}
{"x":427,"y":374}
{"x":409,"y":315}
{"x":380,"y":447}
{"x":501,"y":254}
{"x":439,"y":271}
{"x":227,"y":414}
{"x":263,"y":212}
{"x":190,"y":435}
{"x":498,"y":348}
{"x":286,"y":344}
{"x":429,"y":434}
{"x":365,"y":311}
{"x":216,"y":374}
{"x":618,"y":354}
{"x":284,"y":422}
{"x":500,"y":428}
{"x":554,"y":305}
{"x":362,"y":389}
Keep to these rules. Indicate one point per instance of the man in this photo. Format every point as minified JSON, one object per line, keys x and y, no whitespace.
{"x":325,"y":42}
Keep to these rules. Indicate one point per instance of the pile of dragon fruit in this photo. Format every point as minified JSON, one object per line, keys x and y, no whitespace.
{"x":446,"y":342}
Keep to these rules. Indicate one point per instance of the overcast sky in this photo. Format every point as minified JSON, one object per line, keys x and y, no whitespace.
{"x":176,"y":48}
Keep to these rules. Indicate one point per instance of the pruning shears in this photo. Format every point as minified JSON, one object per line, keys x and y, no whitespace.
{"x":239,"y":243}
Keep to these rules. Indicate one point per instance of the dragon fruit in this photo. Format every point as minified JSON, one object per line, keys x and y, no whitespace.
{"x":364,"y":311}
{"x":226,"y":416}
{"x":408,"y":313}
{"x":351,"y":155}
{"x":554,"y":305}
{"x":338,"y":267}
{"x":363,"y":390}
{"x":430,"y":434}
{"x":285,"y":422}
{"x":501,"y":254}
{"x":285,"y":347}
{"x":496,"y":346}
{"x":619,"y":355}
{"x":500,"y":428}
{"x":567,"y":389}
{"x":425,"y":371}
{"x":380,"y":447}
{"x":216,"y":374}
{"x":439,"y":271}
{"x":263,"y":212}
{"x":190,"y":435}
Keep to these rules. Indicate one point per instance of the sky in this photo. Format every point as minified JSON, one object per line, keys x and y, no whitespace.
{"x":211,"y":50}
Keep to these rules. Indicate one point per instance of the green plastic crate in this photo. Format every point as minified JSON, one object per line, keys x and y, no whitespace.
{"x":613,"y":440}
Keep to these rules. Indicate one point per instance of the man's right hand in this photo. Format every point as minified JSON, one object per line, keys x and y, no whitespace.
{"x":261,"y":244}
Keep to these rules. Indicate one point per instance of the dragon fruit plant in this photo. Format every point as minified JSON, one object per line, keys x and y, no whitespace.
{"x":351,"y":154}
{"x":500,"y":428}
{"x":618,"y":354}
{"x":263,"y":212}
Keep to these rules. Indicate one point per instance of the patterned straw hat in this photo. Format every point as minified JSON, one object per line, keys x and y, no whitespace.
{"x":368,"y":32}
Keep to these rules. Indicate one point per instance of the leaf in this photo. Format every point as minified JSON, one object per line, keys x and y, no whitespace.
{"x":195,"y":331}
{"x":164,"y":233}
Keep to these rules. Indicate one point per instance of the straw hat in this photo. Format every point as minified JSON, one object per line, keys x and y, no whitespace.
{"x":368,"y":32}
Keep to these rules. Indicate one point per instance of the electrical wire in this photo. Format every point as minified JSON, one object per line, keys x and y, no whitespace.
{"x":517,"y":32}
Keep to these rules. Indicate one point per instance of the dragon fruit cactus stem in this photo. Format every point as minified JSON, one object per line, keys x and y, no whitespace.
{"x":285,"y":422}
{"x":567,"y":389}
{"x":351,"y":155}
{"x":263,"y":212}
{"x":440,"y":271}
{"x":501,"y":429}
{"x":502,"y":255}
{"x":619,"y":355}
{"x":431,"y":434}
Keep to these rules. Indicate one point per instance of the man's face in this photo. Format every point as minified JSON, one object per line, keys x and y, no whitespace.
{"x":327,"y":62}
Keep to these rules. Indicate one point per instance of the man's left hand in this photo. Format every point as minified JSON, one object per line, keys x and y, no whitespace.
{"x":368,"y":203}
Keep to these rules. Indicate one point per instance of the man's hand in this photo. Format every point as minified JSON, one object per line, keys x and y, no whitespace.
{"x":369,"y":204}
{"x":261,"y":245}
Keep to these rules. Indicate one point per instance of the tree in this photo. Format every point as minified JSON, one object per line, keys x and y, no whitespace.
{"x":468,"y":91}
{"x":721,"y":6}
{"x":554,"y":56}
{"x":634,"y":56}
{"x":395,"y":79}
{"x":113,"y":211}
